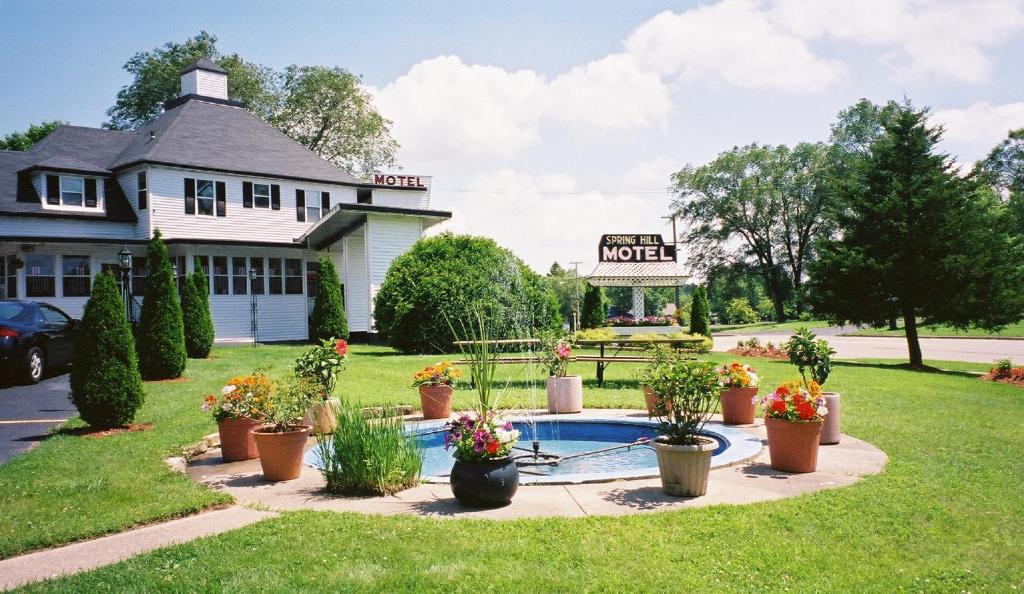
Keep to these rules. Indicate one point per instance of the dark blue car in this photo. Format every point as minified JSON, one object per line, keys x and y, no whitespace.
{"x":34,"y":337}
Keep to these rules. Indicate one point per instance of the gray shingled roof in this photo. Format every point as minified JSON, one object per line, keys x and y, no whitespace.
{"x":204,"y":64}
{"x":210,"y":135}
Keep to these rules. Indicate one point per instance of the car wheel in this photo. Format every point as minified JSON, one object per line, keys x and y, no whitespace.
{"x":35,"y":365}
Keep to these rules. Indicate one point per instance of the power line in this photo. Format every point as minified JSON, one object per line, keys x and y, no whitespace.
{"x":543,"y":193}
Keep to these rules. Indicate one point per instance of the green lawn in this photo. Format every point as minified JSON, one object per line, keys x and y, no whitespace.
{"x":1011,"y":331}
{"x":768,"y":326}
{"x":946,"y":515}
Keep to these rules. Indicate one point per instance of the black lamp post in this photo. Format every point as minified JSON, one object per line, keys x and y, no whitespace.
{"x":253,"y":307}
{"x":124,"y":262}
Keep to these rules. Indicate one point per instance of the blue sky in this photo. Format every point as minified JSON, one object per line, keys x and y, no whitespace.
{"x":546,"y":124}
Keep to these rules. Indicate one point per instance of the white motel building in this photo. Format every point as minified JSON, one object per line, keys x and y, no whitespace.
{"x":228,"y":192}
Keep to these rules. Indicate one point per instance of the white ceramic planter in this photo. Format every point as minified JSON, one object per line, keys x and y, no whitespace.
{"x":565,"y":394}
{"x":684,"y":469}
{"x":322,"y":416}
{"x":830,"y":429}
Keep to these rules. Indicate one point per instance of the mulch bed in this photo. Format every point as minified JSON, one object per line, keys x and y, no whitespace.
{"x":761,"y":352}
{"x":1013,"y":381}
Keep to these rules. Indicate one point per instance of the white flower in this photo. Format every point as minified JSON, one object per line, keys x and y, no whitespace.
{"x":504,"y":436}
{"x":227,"y":389}
{"x":225,"y":407}
{"x":822,"y":410}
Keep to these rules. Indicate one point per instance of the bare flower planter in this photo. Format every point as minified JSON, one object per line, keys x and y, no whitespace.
{"x":738,"y":406}
{"x":236,"y":441}
{"x":323,"y":416}
{"x":792,"y":446}
{"x":830,"y":429}
{"x":436,"y":401}
{"x":684,"y":469}
{"x":565,"y":394}
{"x":281,"y":453}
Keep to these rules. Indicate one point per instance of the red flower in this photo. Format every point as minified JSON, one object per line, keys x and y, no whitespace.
{"x":341,"y":347}
{"x":779,"y":407}
{"x":782,"y":391}
{"x":805,"y":410}
{"x":798,"y":398}
{"x":492,"y":447}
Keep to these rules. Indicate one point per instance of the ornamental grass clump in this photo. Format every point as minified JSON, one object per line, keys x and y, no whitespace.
{"x":369,"y":456}
{"x":688,"y":393}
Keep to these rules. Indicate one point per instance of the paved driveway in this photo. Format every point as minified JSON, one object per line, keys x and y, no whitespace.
{"x":979,"y":350}
{"x":27,"y":412}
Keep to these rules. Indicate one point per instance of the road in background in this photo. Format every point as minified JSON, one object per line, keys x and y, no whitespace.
{"x":978,"y":350}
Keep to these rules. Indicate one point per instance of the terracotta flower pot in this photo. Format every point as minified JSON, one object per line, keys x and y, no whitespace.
{"x":436,"y":401}
{"x":738,"y":406}
{"x":236,"y":441}
{"x":684,"y":468}
{"x":651,"y":400}
{"x":281,"y":453}
{"x":565,"y":394}
{"x":793,"y":447}
{"x":323,"y":416}
{"x":830,"y":430}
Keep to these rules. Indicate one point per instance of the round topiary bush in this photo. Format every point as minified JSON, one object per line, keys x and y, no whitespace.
{"x":195,"y":315}
{"x":105,"y":383}
{"x":433,"y":288}
{"x":161,"y":337}
{"x":329,"y":319}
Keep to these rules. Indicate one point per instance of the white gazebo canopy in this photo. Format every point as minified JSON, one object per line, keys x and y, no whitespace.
{"x":638,"y":275}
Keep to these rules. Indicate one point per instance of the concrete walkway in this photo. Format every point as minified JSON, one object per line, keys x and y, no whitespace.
{"x":749,"y":481}
{"x":90,"y":554}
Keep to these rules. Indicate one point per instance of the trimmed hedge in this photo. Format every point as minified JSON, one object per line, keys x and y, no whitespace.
{"x":433,"y":288}
{"x":329,"y":319}
{"x":105,"y":383}
{"x":700,"y":312}
{"x":195,"y":315}
{"x":595,"y":310}
{"x":161,"y":336}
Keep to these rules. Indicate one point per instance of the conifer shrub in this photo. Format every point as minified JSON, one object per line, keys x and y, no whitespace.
{"x":195,"y":315}
{"x":105,"y":384}
{"x":329,"y":319}
{"x":161,"y":334}
{"x":700,"y":312}
{"x":594,"y":310}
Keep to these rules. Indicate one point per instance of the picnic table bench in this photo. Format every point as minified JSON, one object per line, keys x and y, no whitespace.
{"x":601,"y":360}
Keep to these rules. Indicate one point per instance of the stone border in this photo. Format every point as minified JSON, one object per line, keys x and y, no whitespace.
{"x":753,"y":481}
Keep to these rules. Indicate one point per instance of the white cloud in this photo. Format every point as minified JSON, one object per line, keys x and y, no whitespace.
{"x":732,"y":40}
{"x":972,"y":131}
{"x":943,"y":41}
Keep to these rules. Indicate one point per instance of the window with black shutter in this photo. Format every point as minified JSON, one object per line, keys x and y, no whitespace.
{"x":90,"y":192}
{"x":222,"y":199}
{"x":246,"y":194}
{"x":190,"y":196}
{"x":300,"y":205}
{"x":143,"y":190}
{"x":275,"y":197}
{"x":53,"y":189}
{"x":325,"y":201}
{"x":364,"y":196}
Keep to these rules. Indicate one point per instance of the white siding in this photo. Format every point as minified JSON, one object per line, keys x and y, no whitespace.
{"x":390,"y":237}
{"x":355,"y":279}
{"x":401,"y":198}
{"x":202,"y":82}
{"x":167,"y":205}
{"x":44,"y":226}
{"x":129,"y":182}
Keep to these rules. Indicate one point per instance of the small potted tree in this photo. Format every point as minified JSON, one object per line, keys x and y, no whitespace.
{"x":322,"y":364}
{"x":565,"y":392}
{"x":813,"y":356}
{"x":484,"y":473}
{"x":689,"y":392}
{"x":793,"y":416}
{"x":281,"y":440}
{"x":739,"y":394}
{"x":660,"y":356}
{"x":435,"y":386}
{"x":237,"y":413}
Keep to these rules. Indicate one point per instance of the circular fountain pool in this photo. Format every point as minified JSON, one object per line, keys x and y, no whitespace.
{"x":589,"y":449}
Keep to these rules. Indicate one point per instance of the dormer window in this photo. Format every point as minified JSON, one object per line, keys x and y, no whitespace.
{"x":72,"y":191}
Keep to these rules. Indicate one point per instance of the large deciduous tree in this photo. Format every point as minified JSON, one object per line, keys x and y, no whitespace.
{"x":1003,"y":170}
{"x":325,"y":109}
{"x":22,"y":141}
{"x":916,"y":238}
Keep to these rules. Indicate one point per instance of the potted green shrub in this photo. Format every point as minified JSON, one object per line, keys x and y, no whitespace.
{"x":739,"y":393}
{"x":322,"y":364}
{"x":435,"y":386}
{"x":237,"y":413}
{"x":484,"y":473}
{"x":660,"y":356}
{"x":793,"y":417}
{"x":281,"y":440}
{"x":565,"y":392}
{"x":689,"y":392}
{"x":814,"y":356}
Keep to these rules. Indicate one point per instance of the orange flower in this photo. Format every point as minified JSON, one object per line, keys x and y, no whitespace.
{"x":341,"y":347}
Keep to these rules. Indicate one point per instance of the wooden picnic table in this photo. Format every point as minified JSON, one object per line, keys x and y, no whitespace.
{"x":602,"y":360}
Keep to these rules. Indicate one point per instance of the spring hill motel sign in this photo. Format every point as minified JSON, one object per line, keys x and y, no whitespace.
{"x":635,"y":249}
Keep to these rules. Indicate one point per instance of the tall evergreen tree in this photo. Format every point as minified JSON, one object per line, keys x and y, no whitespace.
{"x":917,"y":240}
{"x":105,"y":383}
{"x":700,"y":312}
{"x":594,"y":309}
{"x":329,"y":319}
{"x":161,"y":336}
{"x":195,"y":315}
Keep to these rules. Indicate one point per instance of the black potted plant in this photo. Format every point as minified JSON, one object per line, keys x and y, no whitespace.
{"x":484,"y":473}
{"x":813,"y":355}
{"x":688,"y":392}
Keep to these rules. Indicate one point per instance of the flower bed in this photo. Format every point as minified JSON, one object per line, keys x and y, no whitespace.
{"x":1006,"y":373}
{"x":754,"y":348}
{"x":625,"y":321}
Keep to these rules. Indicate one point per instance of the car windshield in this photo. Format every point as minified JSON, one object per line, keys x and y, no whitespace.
{"x":9,"y":311}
